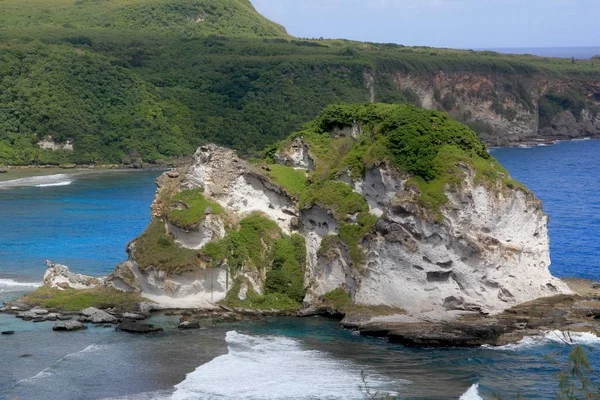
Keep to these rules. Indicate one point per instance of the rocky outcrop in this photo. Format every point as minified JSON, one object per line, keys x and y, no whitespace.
{"x":60,"y":277}
{"x":503,"y":109}
{"x":296,"y":154}
{"x":486,"y":251}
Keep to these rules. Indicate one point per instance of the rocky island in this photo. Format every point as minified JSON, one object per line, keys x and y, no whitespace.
{"x":392,"y":217}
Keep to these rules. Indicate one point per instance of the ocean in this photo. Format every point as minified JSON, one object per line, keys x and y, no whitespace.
{"x":580,"y":53}
{"x":85,"y":219}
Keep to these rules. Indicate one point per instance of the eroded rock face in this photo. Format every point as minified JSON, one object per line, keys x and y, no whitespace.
{"x":235,"y":185}
{"x":60,"y":277}
{"x":489,"y":251}
{"x":296,"y":155}
{"x":473,"y":97}
{"x":201,"y":288}
{"x":483,"y":252}
{"x":210,"y":228}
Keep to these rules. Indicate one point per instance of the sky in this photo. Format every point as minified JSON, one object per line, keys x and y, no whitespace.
{"x":469,"y":24}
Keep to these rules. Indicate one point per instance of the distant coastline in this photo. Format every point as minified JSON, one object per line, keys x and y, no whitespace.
{"x":580,"y":53}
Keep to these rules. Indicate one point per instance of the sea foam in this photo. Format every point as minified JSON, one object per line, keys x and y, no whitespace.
{"x":9,"y":285}
{"x":551,"y":337}
{"x":273,"y":367}
{"x":39,"y":181}
{"x":471,"y":394}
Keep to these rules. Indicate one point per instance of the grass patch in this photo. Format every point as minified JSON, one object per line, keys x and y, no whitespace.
{"x":195,"y":207}
{"x":292,"y":180}
{"x":155,"y":248}
{"x":336,"y":196}
{"x":75,"y":300}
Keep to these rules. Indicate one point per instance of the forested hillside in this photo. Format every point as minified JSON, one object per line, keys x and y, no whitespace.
{"x":130,"y":80}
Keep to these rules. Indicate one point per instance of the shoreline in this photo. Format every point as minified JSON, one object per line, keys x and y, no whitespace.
{"x":575,"y":313}
{"x":143,"y":166}
{"x":541,"y":142}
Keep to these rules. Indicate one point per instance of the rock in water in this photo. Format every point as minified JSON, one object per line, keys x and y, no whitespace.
{"x":189,"y":325}
{"x":69,"y":326}
{"x":134,"y":327}
{"x":8,"y":332}
{"x":59,"y":277}
{"x":97,"y":316}
{"x":134,"y":316}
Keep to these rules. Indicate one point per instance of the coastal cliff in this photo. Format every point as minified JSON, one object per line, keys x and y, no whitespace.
{"x":377,"y":209}
{"x":504,"y":110}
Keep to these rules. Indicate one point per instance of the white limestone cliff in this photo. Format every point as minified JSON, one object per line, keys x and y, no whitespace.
{"x":487,"y":251}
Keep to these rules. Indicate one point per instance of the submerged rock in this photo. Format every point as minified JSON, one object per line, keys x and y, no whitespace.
{"x":135,"y":327}
{"x":189,"y":325}
{"x":69,"y":326}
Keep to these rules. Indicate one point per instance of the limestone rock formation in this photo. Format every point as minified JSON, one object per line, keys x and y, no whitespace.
{"x":60,"y":277}
{"x":461,"y":238}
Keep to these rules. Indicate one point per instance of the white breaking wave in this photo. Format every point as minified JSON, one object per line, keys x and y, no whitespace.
{"x":39,"y":181}
{"x":472,"y":394}
{"x":8,"y":285}
{"x":65,"y":183}
{"x":47,"y":372}
{"x":551,"y":337}
{"x":273,"y":367}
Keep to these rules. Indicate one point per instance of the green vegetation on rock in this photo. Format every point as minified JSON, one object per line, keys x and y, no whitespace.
{"x":155,"y":248}
{"x":259,"y":245}
{"x":292,"y":180}
{"x":427,"y":146}
{"x":194,"y":207}
{"x":74,"y":300}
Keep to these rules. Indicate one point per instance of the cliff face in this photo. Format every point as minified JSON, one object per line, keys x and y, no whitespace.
{"x":505,"y":110}
{"x":372,"y":235}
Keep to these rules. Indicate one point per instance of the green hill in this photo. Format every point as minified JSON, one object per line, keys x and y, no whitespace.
{"x":183,"y":18}
{"x":152,"y":79}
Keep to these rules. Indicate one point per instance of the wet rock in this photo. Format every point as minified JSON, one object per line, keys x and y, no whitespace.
{"x":8,"y":332}
{"x":146,"y":307}
{"x":39,"y":311}
{"x":136,"y":327}
{"x":61,"y":317}
{"x":189,"y":325}
{"x":51,"y":317}
{"x":27,"y":315}
{"x":134,"y":316}
{"x":69,"y":326}
{"x":322,"y":311}
{"x":97,"y":316}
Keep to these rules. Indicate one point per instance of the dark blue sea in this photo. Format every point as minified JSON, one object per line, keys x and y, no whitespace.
{"x":85,"y":219}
